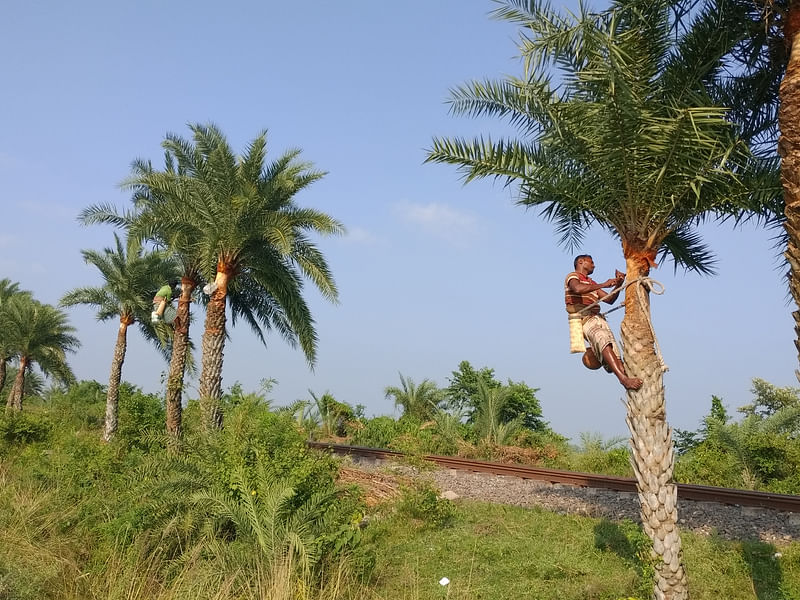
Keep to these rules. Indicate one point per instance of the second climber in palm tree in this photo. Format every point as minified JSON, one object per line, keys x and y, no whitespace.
{"x":163,"y":298}
{"x":581,"y":294}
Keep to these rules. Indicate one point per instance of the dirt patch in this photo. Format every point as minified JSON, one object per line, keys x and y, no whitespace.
{"x":378,"y":487}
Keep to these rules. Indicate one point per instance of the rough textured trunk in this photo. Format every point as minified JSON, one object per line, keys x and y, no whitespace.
{"x":3,"y":365}
{"x":112,"y":396}
{"x":15,"y":396}
{"x":789,"y":150}
{"x":213,"y":346}
{"x":177,"y":364}
{"x":651,"y":439}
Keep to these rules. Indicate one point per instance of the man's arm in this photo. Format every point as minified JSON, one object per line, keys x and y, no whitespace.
{"x":578,"y":287}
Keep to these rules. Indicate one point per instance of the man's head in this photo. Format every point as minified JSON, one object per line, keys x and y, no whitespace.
{"x":583,"y":262}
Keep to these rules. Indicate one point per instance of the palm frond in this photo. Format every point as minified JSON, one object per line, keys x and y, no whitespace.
{"x":634,"y":139}
{"x":687,"y":251}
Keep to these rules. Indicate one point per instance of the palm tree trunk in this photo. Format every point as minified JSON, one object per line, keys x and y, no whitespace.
{"x":3,"y":365}
{"x":213,"y":346}
{"x":15,"y":396}
{"x":789,"y":150}
{"x":651,"y":438}
{"x":112,"y":395}
{"x":177,"y":365}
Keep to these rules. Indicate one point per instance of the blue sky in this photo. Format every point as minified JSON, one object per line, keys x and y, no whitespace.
{"x":431,"y":273}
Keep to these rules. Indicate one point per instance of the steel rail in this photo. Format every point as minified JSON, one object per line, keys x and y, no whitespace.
{"x":698,"y":493}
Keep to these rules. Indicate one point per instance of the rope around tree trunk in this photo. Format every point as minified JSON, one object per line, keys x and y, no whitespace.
{"x":654,"y":286}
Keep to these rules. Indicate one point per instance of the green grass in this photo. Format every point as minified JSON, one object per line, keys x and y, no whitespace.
{"x":494,"y":551}
{"x":79,"y":521}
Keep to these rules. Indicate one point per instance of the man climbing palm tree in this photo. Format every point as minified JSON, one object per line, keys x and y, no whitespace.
{"x":582,"y":295}
{"x":629,"y":140}
{"x":163,"y":298}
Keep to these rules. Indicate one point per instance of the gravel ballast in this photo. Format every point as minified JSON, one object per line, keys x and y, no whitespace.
{"x":706,"y":518}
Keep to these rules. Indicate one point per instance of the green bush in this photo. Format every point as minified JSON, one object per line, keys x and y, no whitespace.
{"x":708,"y":465}
{"x":424,"y":504}
{"x":245,"y":494}
{"x":82,"y":406}
{"x":615,"y":461}
{"x":377,"y":433}
{"x":408,"y":435}
{"x":141,"y":417}
{"x":254,"y":434}
{"x":24,"y":428}
{"x":89,"y":506}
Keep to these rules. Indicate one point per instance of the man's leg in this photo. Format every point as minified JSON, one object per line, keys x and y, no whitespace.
{"x":158,"y":313}
{"x":613,"y":361}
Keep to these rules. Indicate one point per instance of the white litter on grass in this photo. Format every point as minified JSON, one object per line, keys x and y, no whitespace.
{"x":777,"y":555}
{"x":444,"y":581}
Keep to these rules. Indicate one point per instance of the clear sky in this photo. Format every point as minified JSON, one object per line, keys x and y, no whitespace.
{"x":431,"y":273}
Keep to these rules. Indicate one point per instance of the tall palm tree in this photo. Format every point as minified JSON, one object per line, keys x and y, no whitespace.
{"x":629,"y":141}
{"x":8,"y":289}
{"x":419,"y":401}
{"x":181,"y":247}
{"x":37,"y":334}
{"x":239,"y":217}
{"x":34,"y":383}
{"x":130,"y":277}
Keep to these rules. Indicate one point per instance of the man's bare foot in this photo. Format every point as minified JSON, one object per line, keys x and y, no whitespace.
{"x":630,"y":383}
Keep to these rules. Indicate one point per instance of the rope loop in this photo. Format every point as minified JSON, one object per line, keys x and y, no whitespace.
{"x":651,"y":285}
{"x":644,"y":280}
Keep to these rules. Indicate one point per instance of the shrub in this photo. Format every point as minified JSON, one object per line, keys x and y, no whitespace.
{"x":377,"y":433}
{"x":615,"y":461}
{"x":708,"y":464}
{"x":24,"y":428}
{"x":424,"y":504}
{"x":249,"y":496}
{"x":82,"y":406}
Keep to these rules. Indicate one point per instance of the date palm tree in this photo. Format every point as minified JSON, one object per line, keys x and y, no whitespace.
{"x":181,"y":249}
{"x":489,"y":423}
{"x":37,"y":334}
{"x":237,"y":215}
{"x":8,"y":289}
{"x":630,"y":141}
{"x":34,"y":383}
{"x":419,"y":401}
{"x":130,"y":277}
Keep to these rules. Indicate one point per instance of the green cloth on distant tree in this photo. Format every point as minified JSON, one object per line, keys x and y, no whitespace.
{"x":165,"y":292}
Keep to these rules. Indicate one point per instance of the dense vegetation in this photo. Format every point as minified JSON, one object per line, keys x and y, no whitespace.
{"x":761,"y":451}
{"x":250,"y":512}
{"x":247,"y":510}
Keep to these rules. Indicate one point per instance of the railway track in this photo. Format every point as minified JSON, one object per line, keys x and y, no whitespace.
{"x":698,"y":493}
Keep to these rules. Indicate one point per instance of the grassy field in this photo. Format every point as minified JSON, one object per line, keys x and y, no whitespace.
{"x":493,"y":551}
{"x":486,"y":551}
{"x":85,"y":520}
